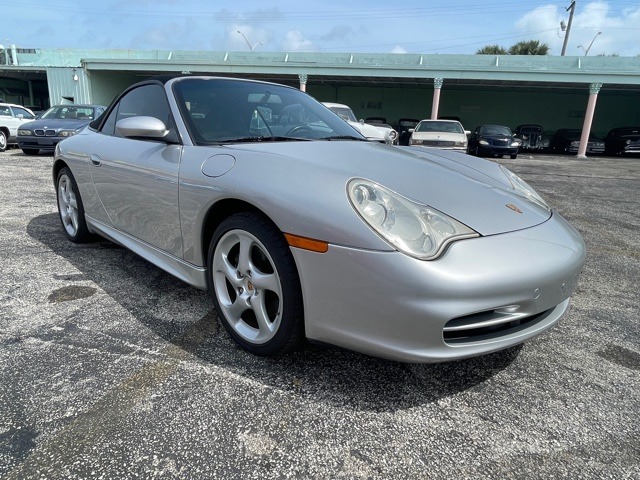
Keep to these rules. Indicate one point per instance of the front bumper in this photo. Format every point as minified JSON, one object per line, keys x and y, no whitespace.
{"x":389,"y":305}
{"x":497,"y":150}
{"x":40,"y":143}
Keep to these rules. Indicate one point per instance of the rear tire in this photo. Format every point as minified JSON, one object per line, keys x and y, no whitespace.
{"x":255,"y":285}
{"x":3,"y":141}
{"x":70,"y":207}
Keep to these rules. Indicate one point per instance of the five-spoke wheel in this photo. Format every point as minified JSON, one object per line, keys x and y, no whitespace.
{"x":70,"y":207}
{"x":255,"y":284}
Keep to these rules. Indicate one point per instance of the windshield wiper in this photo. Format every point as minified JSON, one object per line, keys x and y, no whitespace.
{"x":343,"y":137}
{"x":262,"y":139}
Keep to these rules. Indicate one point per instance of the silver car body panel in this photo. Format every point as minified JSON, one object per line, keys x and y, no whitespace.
{"x":481,"y":275}
{"x":154,"y":198}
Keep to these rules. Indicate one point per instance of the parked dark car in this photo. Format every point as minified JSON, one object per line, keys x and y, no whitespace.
{"x":56,"y":124}
{"x":493,"y":141}
{"x":567,"y":140}
{"x":622,"y":140}
{"x":404,"y":128}
{"x":531,"y":136}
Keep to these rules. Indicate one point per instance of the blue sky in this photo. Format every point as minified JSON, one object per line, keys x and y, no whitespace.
{"x":424,"y":26}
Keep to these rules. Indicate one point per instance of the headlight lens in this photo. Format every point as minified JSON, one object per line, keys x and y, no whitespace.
{"x":25,"y":132}
{"x":523,"y":189}
{"x":483,"y":142}
{"x":515,"y":143}
{"x":66,"y":133}
{"x":416,"y":230}
{"x":460,"y":144}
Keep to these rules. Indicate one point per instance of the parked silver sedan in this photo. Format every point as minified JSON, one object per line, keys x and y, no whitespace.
{"x":299,"y":228}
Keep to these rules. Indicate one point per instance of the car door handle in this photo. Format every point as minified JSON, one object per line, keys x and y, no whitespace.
{"x":96,"y":160}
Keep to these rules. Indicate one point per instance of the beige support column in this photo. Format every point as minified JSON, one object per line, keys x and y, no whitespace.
{"x":437,"y":86}
{"x":303,"y":81}
{"x":594,"y":89}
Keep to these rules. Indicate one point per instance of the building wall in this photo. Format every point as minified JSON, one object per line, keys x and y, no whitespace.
{"x":476,"y":106}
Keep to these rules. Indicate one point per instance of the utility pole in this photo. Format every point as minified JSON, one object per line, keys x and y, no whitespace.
{"x":571,"y":7}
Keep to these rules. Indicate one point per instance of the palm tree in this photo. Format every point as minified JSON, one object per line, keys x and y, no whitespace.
{"x":529,"y":47}
{"x":491,"y":50}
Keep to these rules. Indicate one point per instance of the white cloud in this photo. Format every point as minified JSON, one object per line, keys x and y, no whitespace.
{"x":620,"y":33}
{"x":295,"y":41}
{"x":398,"y":49}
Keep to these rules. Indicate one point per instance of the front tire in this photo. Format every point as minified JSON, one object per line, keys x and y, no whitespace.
{"x":255,"y":285}
{"x":70,"y":207}
{"x":3,"y":141}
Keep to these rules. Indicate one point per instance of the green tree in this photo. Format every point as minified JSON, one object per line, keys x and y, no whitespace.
{"x":529,"y":47}
{"x":492,"y":50}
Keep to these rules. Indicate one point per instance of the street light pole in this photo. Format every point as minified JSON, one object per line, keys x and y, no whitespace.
{"x":251,"y":47}
{"x":586,"y":52}
{"x":571,"y":7}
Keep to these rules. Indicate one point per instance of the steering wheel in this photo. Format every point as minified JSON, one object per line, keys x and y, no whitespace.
{"x":299,"y":128}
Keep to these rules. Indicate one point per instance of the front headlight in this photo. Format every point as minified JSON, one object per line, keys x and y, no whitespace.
{"x":460,"y":144}
{"x":66,"y":133}
{"x":483,"y":142}
{"x":523,"y":189}
{"x":414,"y":229}
{"x":515,"y":143}
{"x":25,"y":132}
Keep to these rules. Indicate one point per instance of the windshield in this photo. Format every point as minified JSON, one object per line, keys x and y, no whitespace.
{"x":69,"y":112}
{"x":495,"y":130}
{"x":225,"y":111}
{"x":448,"y":127}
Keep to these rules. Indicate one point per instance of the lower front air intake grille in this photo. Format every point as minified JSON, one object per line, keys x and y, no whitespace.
{"x":488,"y":325}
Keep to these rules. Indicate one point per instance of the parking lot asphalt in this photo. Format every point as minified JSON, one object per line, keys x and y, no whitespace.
{"x":111,"y":368}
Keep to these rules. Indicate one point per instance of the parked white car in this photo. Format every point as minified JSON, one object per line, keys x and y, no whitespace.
{"x":11,"y":117}
{"x":373,"y":133}
{"x":448,"y":134}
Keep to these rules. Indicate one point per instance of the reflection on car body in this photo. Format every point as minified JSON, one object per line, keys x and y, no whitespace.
{"x":299,"y":228}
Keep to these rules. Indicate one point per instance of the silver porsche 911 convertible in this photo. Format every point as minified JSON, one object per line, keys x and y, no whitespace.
{"x":301,"y":229}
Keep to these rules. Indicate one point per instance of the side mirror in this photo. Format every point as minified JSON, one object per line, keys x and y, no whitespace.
{"x":361,"y":120}
{"x":467,"y":132}
{"x":411,"y":130}
{"x":20,"y":116}
{"x":142,"y":127}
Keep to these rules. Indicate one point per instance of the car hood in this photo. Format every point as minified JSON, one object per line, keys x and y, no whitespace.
{"x":447,"y":136}
{"x":55,"y":123}
{"x":472,"y":190}
{"x":496,"y":137}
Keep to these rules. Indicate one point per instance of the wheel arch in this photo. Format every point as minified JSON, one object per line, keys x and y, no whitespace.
{"x":220,"y":211}
{"x":57,"y":166}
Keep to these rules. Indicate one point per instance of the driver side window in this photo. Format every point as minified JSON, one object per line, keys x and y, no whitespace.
{"x":147,"y":100}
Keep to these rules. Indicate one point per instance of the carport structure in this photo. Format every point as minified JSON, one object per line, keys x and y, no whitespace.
{"x":553,"y":91}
